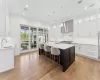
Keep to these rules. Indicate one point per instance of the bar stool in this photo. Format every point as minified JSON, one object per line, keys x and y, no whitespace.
{"x":47,"y":50}
{"x":41,"y":49}
{"x":55,"y":52}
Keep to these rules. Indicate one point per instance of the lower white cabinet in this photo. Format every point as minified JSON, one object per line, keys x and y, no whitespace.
{"x":87,"y":50}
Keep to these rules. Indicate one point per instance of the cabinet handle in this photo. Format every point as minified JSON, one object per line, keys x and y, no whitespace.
{"x":79,"y":48}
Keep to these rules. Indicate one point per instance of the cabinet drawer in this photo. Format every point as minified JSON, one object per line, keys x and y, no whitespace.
{"x":92,"y":48}
{"x":77,"y":48}
{"x":93,"y":54}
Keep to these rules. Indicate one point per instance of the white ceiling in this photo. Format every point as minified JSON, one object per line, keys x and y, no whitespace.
{"x":52,"y":11}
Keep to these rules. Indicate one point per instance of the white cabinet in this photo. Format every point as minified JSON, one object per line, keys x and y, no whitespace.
{"x":86,"y":28}
{"x":77,"y":48}
{"x":81,"y":29}
{"x":93,"y":29}
{"x":6,"y":59}
{"x":91,"y":51}
{"x":87,"y":50}
{"x":2,"y":17}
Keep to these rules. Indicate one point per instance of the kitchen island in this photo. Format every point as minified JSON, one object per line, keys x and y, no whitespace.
{"x":67,"y":54}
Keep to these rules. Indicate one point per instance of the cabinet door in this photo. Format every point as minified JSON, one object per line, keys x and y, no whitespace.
{"x":75,"y":33}
{"x":84,"y":30}
{"x":77,"y":30}
{"x":93,"y":29}
{"x":90,"y":51}
{"x":81,"y":29}
{"x":77,"y":49}
{"x":2,"y":18}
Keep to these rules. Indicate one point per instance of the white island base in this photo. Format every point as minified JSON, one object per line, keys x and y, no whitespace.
{"x":6,"y":59}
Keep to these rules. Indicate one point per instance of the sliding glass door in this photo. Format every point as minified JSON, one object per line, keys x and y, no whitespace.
{"x":40,"y":36}
{"x":45,"y":35}
{"x":24,"y":39}
{"x":31,"y":37}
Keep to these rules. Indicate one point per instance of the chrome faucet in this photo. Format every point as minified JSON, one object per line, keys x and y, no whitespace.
{"x":2,"y":41}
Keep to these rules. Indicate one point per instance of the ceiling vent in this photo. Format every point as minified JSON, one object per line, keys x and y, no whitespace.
{"x":79,"y":2}
{"x":91,"y":5}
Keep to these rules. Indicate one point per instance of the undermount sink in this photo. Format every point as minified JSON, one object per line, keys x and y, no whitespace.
{"x":7,"y":47}
{"x":66,"y":42}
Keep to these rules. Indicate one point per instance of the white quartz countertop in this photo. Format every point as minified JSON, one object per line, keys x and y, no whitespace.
{"x":60,"y":46}
{"x":86,"y":41}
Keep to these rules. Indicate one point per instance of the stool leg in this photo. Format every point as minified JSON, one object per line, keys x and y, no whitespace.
{"x":45,"y":53}
{"x":59,"y":60}
{"x":54,"y":58}
{"x":50,"y":56}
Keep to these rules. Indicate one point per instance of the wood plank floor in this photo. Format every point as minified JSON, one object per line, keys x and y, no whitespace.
{"x":31,"y":66}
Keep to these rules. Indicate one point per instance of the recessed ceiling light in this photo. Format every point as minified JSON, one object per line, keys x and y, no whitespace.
{"x":68,"y":15}
{"x":61,"y":25}
{"x":85,"y":8}
{"x":48,"y":28}
{"x":23,"y":13}
{"x":80,"y":21}
{"x":26,"y":6}
{"x":54,"y":26}
{"x":98,"y":15}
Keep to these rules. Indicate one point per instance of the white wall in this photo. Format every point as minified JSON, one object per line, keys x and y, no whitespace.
{"x":54,"y":32}
{"x":15,"y":21}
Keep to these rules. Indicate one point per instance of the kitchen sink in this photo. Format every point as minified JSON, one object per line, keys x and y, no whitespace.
{"x":66,"y":42}
{"x":7,"y":47}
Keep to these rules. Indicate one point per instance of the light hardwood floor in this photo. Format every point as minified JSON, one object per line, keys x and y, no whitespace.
{"x":31,"y":66}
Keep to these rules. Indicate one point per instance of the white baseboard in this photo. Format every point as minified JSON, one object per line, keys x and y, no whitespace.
{"x":98,"y":59}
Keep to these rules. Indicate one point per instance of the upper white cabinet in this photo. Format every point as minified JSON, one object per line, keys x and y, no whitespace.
{"x":81,"y":29}
{"x":4,"y":18}
{"x":86,"y":29}
{"x":93,"y":29}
